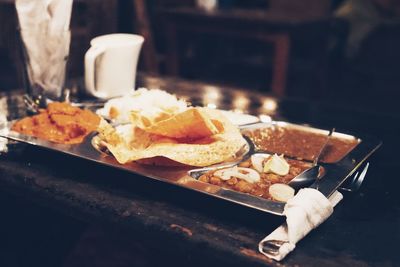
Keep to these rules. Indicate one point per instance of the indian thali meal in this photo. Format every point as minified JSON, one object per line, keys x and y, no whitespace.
{"x":153,"y":127}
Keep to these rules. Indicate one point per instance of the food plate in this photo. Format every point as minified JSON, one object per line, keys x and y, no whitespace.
{"x":335,"y":172}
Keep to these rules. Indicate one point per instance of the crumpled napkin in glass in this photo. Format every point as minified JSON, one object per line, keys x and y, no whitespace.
{"x":44,"y":29}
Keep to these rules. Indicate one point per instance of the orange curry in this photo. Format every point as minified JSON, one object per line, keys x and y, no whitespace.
{"x":59,"y":123}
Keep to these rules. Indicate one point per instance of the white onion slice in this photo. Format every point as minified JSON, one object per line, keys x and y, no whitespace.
{"x":281,"y":192}
{"x":277,"y":164}
{"x":257,"y":161}
{"x":246,"y":174}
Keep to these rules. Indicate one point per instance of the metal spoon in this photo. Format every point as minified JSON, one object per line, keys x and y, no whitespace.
{"x":31,"y":105}
{"x":35,"y":103}
{"x":316,"y":159}
{"x":310,"y":175}
{"x":305,"y":178}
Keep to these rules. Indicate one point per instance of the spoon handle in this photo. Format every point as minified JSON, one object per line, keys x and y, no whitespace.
{"x":317,"y":157}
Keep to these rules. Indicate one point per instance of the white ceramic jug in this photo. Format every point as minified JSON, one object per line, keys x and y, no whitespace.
{"x":111,"y":63}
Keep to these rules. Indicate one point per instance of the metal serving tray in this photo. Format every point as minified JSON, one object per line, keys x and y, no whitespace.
{"x":335,"y":173}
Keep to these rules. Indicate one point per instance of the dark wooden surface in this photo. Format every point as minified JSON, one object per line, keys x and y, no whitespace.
{"x":197,"y":230}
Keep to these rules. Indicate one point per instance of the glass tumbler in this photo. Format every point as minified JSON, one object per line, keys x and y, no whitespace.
{"x":45,"y":59}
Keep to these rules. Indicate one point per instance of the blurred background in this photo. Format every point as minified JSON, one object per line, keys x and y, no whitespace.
{"x":315,"y":49}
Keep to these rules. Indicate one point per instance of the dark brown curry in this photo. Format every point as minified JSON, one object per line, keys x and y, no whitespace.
{"x":301,"y":144}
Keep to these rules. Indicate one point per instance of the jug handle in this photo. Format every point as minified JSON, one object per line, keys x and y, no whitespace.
{"x":90,"y":70}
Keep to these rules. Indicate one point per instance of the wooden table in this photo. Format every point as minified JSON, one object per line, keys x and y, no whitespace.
{"x":186,"y":228}
{"x":280,"y":29}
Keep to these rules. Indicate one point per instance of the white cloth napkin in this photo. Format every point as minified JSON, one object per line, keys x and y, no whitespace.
{"x":44,"y":27}
{"x":308,"y":209}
